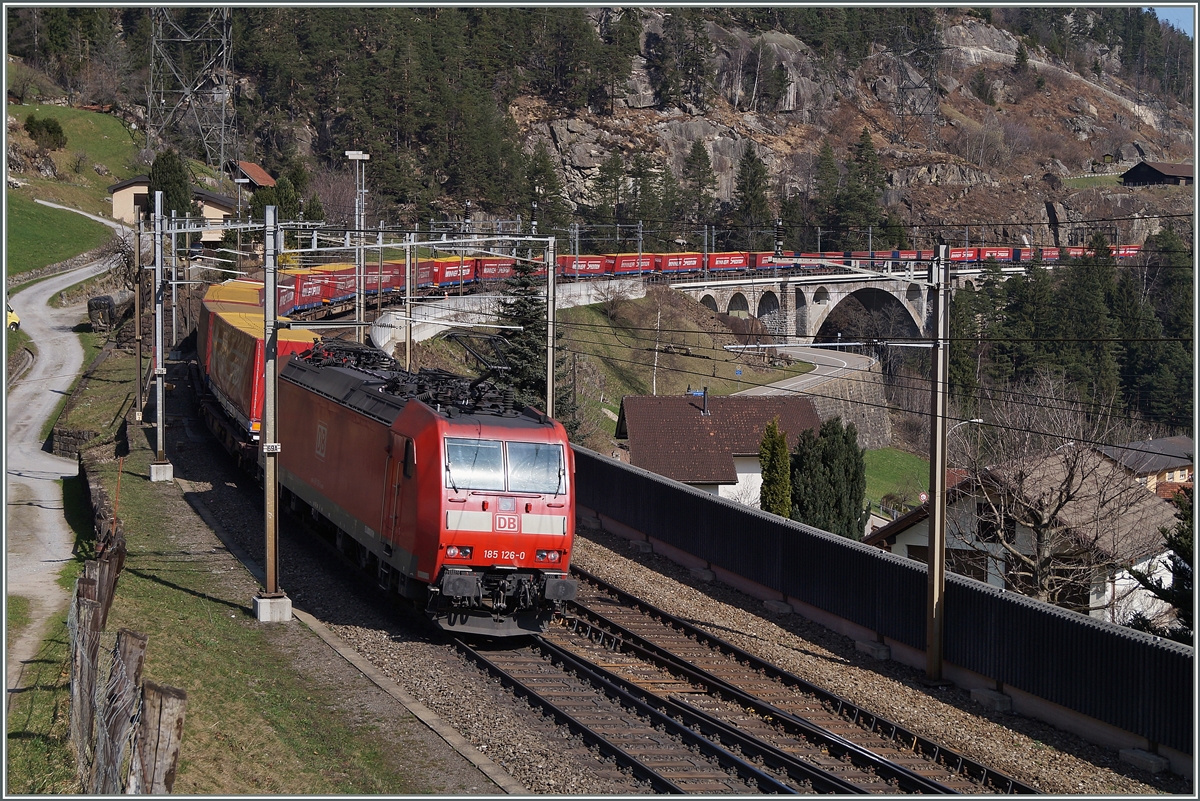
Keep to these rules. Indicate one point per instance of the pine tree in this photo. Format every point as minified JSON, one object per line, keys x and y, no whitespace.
{"x":169,"y":176}
{"x":776,"y":493}
{"x":751,"y":209}
{"x":700,"y":181}
{"x":524,"y":305}
{"x":829,"y":480}
{"x":1021,"y":63}
{"x":1181,"y":543}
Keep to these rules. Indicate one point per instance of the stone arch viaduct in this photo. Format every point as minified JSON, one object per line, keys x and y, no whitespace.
{"x":795,"y":307}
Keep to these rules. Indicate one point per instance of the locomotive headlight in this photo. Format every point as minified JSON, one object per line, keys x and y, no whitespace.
{"x":458,"y":551}
{"x":548,"y":556}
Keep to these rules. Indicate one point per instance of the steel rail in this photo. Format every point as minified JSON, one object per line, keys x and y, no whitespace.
{"x":612,"y":686}
{"x":838,"y":746}
{"x":876,"y":724}
{"x":714,"y":728}
{"x":590,"y":736}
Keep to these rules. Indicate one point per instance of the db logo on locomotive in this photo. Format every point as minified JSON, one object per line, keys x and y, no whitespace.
{"x":508,"y":523}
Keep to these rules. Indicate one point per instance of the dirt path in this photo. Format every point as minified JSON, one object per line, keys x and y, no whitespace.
{"x":37,"y":538}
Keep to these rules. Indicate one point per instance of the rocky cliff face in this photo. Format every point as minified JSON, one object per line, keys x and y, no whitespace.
{"x":1014,"y":168}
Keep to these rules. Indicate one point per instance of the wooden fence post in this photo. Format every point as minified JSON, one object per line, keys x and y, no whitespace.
{"x":108,"y":571}
{"x":156,"y":754}
{"x":83,"y":674}
{"x":117,"y":715}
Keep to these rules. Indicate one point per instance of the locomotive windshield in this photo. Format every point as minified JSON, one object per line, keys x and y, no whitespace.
{"x":535,"y":467}
{"x":478,"y":464}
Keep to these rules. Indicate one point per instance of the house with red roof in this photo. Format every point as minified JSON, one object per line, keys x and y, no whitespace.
{"x":710,"y":442}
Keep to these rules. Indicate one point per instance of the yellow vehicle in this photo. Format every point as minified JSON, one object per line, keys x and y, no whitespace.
{"x":14,"y":322}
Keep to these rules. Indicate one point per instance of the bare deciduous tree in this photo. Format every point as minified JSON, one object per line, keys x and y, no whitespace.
{"x":1050,"y":511}
{"x":613,"y":295}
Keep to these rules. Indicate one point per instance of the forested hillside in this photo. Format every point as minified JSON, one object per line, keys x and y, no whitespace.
{"x":452,"y":103}
{"x":684,"y":128}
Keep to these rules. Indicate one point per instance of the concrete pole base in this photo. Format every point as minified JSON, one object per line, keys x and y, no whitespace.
{"x":162,"y":471}
{"x":273,"y":610}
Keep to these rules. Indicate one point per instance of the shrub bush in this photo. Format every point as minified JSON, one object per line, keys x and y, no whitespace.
{"x":46,"y":133}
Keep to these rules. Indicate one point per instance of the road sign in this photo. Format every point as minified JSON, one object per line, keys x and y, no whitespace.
{"x":737,"y":372}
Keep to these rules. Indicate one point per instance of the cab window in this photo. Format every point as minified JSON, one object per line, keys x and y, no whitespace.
{"x":475,"y":464}
{"x":535,"y":467}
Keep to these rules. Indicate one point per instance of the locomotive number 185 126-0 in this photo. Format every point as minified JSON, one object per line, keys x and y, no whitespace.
{"x":503,"y":554}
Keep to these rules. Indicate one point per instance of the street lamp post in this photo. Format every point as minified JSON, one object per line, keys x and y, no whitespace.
{"x":360,"y":202}
{"x":240,"y":182}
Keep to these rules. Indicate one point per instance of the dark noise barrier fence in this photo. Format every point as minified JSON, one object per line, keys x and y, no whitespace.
{"x":1134,"y":681}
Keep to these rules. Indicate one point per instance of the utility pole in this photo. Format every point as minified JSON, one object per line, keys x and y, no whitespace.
{"x":272,"y":604}
{"x":939,"y":275}
{"x":360,"y":204}
{"x":410,"y":241}
{"x":174,"y":281}
{"x":160,"y":468}
{"x":240,"y":183}
{"x":639,"y":246}
{"x":551,"y":260}
{"x":137,"y":316}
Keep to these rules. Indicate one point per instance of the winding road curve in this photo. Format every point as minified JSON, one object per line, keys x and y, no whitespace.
{"x":38,"y":540}
{"x":829,"y":365}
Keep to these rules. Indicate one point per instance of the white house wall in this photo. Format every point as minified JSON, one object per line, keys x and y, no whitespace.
{"x":748,"y":489}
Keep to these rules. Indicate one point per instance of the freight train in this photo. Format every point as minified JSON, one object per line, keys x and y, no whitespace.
{"x":439,"y":487}
{"x":306,"y":291}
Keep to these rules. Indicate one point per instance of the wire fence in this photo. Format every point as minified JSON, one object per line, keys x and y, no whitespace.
{"x":125,"y":731}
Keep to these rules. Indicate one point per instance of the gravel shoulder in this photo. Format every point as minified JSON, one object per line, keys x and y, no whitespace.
{"x":542,"y":758}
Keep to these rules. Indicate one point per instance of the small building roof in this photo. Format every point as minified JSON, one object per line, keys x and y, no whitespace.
{"x":134,"y":181}
{"x":257,"y":175}
{"x":215,"y":199}
{"x":672,"y":436}
{"x":1151,"y":456}
{"x":1173,"y":170}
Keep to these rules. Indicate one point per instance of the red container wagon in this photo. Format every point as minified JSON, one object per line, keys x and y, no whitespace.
{"x":494,"y":268}
{"x":767,"y":260}
{"x":392,"y":279}
{"x":1127,"y":251}
{"x":628,"y":263}
{"x":311,"y":289}
{"x":1050,"y":254}
{"x":677,"y":262}
{"x":963,"y":254}
{"x":339,"y":279}
{"x":234,"y":370}
{"x":719,"y":262}
{"x":468,"y":507}
{"x":998,"y":254}
{"x":590,"y":266}
{"x":451,"y":271}
{"x":1073,"y":253}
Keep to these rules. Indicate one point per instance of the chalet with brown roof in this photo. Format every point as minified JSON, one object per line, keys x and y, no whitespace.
{"x":710,"y":442}
{"x":257,"y":175}
{"x":1107,"y":520}
{"x":1149,"y":173}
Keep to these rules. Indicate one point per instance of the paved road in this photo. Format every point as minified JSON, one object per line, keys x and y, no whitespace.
{"x":830,"y":364}
{"x":37,"y":539}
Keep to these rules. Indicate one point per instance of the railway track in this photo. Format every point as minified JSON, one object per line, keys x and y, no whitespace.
{"x":741,"y":690}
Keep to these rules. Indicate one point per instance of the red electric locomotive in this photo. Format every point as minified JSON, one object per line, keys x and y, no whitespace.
{"x":436,"y":483}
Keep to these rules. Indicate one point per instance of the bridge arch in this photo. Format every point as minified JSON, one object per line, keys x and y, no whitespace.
{"x":889,"y":315}
{"x":738,"y":306}
{"x":801,"y":308}
{"x":710,"y":303}
{"x":770,"y":313}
